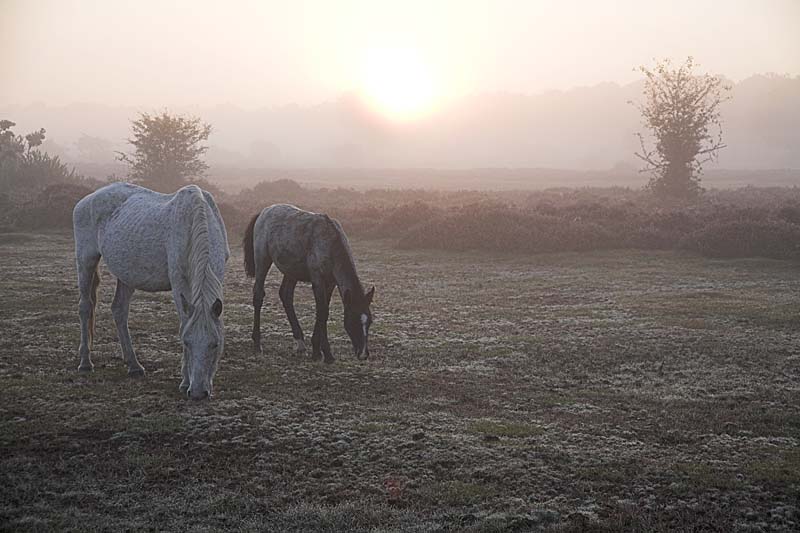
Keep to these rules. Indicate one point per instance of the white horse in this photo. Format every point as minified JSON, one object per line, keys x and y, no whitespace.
{"x":156,"y":242}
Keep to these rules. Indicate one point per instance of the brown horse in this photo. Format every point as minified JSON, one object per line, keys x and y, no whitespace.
{"x":313,"y":248}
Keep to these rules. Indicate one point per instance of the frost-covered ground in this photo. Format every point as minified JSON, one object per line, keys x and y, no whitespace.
{"x":570,"y":392}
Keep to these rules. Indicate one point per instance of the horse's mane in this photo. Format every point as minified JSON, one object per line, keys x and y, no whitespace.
{"x":342,"y":253}
{"x":205,"y":286}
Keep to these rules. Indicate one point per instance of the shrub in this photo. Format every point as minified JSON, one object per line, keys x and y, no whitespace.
{"x":36,"y":169}
{"x":23,"y":165}
{"x":747,"y":238}
{"x":400,"y":219}
{"x":746,"y":222}
{"x":713,"y":230}
{"x":51,"y":208}
{"x":235,"y":219}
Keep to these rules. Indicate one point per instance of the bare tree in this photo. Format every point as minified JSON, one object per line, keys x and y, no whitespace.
{"x":168,"y":150}
{"x":681,"y":110}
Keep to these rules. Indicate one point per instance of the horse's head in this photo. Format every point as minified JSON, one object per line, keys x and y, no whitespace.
{"x":203,"y":338}
{"x":357,"y":320}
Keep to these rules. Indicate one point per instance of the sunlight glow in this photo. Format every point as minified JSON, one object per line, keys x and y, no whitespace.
{"x":398,"y":83}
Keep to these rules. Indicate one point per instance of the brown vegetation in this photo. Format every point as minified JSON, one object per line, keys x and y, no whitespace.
{"x":748,"y":222}
{"x":741,"y":223}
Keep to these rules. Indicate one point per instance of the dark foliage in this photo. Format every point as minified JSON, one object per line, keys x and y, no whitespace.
{"x":748,"y":222}
{"x":235,"y":219}
{"x":773,"y":238}
{"x":51,"y":208}
{"x":23,"y":166}
{"x":731,"y":223}
{"x":681,"y":110}
{"x":167,"y":150}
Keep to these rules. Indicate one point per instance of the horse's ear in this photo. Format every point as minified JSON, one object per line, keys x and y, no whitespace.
{"x":370,"y":294}
{"x":186,"y":306}
{"x":217,"y":308}
{"x":347,"y":298}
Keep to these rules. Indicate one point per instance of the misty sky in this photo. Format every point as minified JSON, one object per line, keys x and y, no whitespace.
{"x":258,"y":53}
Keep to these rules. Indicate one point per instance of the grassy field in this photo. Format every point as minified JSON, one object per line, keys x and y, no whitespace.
{"x":613,"y":391}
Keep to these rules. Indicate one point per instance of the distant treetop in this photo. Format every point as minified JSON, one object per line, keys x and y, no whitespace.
{"x":168,"y":150}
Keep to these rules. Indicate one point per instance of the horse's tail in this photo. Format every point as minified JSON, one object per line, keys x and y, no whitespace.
{"x":249,"y":249}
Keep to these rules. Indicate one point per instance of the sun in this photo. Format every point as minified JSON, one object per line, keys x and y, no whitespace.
{"x":398,"y":83}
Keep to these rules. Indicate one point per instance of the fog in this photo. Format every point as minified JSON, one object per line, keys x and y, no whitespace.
{"x":359,"y":85}
{"x":590,"y":128}
{"x":261,"y":54}
{"x":367,"y":265}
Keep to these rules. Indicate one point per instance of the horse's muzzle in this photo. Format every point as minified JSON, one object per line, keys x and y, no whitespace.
{"x":200,"y":394}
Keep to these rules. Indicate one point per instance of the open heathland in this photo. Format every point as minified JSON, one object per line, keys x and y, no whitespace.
{"x":610,"y":390}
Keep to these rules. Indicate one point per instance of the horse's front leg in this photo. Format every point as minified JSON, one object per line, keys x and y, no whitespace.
{"x":182,"y":318}
{"x":286,"y":293}
{"x":263,"y":265}
{"x":319,"y":341}
{"x":120,"y":308}
{"x":184,"y":386}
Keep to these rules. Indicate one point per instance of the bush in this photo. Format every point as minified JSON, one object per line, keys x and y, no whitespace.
{"x":23,"y":165}
{"x":51,"y":208}
{"x":747,"y":238}
{"x":36,"y":169}
{"x":712,"y":230}
{"x":740,"y":223}
{"x":235,"y":219}
{"x":400,"y":219}
{"x":508,"y":229}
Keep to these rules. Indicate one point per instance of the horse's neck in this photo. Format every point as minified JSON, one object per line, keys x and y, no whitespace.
{"x":203,"y":283}
{"x":344,"y":272}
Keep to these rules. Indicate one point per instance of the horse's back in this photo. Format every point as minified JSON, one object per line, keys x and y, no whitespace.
{"x":293,"y":238}
{"x":93,"y":211}
{"x":142,"y":233}
{"x":98,"y":206}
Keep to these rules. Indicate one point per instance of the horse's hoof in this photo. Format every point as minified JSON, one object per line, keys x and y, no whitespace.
{"x":86,"y":369}
{"x":316,"y":356}
{"x":136,"y":373}
{"x":329,"y":359}
{"x":258,"y":349}
{"x":183,"y":388}
{"x":300,"y":346}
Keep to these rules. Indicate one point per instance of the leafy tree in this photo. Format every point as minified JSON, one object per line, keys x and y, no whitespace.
{"x":11,"y":146}
{"x":23,"y":164}
{"x":681,"y":110}
{"x":167,"y":150}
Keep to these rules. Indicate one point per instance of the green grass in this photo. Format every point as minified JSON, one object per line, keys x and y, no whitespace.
{"x":783,"y":470}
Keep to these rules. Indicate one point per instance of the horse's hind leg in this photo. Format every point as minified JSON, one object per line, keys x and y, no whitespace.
{"x":286,"y":293}
{"x":263,"y":264}
{"x":93,"y":315}
{"x":88,"y":280}
{"x":120,"y":308}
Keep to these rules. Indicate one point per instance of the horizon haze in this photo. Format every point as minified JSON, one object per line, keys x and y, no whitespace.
{"x":352,"y":84}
